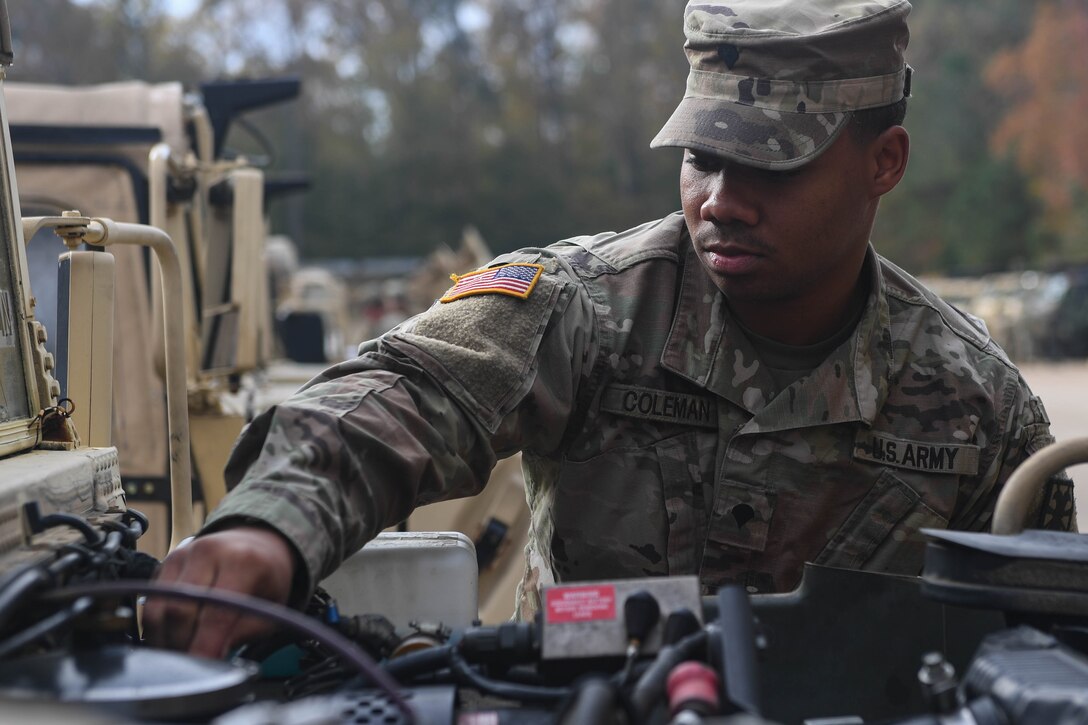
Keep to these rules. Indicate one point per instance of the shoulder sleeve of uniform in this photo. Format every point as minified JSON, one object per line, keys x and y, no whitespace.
{"x":1026,"y":431}
{"x":967,"y":326}
{"x":1054,"y":507}
{"x":1057,"y":509}
{"x":488,"y":350}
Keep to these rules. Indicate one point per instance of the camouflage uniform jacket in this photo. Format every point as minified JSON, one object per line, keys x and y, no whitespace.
{"x":654,"y":443}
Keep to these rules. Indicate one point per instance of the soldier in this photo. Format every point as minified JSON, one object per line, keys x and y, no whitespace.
{"x":730,"y":391}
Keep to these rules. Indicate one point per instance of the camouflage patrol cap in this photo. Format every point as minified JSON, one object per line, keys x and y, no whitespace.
{"x":773,"y":82}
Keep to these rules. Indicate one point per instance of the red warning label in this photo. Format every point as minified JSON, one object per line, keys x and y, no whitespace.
{"x":581,"y":604}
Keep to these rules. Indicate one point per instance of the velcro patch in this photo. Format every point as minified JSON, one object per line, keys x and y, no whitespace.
{"x":917,"y":455}
{"x":660,"y":405}
{"x":516,"y":280}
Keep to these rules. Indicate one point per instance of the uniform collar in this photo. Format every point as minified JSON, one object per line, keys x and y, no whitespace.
{"x":706,"y":345}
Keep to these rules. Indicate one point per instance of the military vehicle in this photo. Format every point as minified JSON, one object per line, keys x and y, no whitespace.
{"x":1008,"y":610}
{"x":154,"y":154}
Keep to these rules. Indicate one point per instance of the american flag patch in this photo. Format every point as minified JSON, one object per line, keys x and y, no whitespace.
{"x":516,"y":280}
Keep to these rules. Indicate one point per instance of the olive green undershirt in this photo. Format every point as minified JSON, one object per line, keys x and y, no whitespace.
{"x":789,"y":363}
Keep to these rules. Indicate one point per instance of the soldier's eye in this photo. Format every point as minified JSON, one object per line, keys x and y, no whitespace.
{"x":703,"y":162}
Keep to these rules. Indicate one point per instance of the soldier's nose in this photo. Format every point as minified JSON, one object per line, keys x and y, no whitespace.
{"x":727,"y":204}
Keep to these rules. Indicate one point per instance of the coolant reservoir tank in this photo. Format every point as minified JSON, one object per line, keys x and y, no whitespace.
{"x":427,"y":577}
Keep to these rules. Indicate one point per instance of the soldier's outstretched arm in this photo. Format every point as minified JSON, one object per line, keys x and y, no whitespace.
{"x":420,"y":416}
{"x":1026,"y":431}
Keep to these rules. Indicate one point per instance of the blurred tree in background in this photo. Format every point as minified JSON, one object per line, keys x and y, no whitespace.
{"x":531,"y":119}
{"x":1045,"y":79}
{"x":958,"y":209}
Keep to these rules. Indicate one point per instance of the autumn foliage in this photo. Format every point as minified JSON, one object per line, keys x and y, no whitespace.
{"x":1045,"y":80}
{"x":531,"y":119}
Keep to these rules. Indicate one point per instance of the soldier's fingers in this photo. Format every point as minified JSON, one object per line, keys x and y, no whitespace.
{"x":170,"y":622}
{"x":216,"y":632}
{"x":220,"y":628}
{"x":154,"y":611}
{"x":247,"y":560}
{"x":218,"y":635}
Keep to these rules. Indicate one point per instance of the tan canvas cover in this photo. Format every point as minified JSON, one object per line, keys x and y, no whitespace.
{"x":125,"y":104}
{"x":139,"y":423}
{"x":139,"y":419}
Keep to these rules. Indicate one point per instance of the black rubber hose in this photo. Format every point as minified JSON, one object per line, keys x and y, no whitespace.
{"x":112,"y":544}
{"x":39,"y":523}
{"x":36,"y":577}
{"x":522,"y":693}
{"x":136,"y":520}
{"x":25,"y":584}
{"x":417,"y":663}
{"x":65,"y":564}
{"x":300,"y":623}
{"x":46,"y":626}
{"x":594,"y":701}
{"x":650,"y":687}
{"x":130,"y":532}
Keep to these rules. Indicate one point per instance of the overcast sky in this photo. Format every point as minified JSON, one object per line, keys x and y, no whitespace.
{"x":181,"y":7}
{"x":176,"y":7}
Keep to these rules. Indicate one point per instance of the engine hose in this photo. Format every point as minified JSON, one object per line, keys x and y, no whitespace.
{"x":650,"y":687}
{"x":46,"y":626}
{"x":25,"y":584}
{"x":417,"y":663}
{"x":523,"y":693}
{"x":594,"y":701}
{"x":38,"y":577}
{"x":136,"y":521}
{"x":130,"y":532}
{"x":300,"y":623}
{"x":111,"y":544}
{"x":39,"y":523}
{"x":78,"y":556}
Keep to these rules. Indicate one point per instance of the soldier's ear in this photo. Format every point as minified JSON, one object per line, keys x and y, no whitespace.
{"x":888,"y":155}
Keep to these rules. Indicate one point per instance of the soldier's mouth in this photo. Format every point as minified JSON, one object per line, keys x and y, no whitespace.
{"x":731,"y":258}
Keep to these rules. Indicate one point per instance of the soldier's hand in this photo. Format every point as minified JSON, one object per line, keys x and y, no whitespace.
{"x":250,"y":560}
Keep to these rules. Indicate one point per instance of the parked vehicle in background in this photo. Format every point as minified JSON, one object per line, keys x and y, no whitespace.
{"x":154,"y":154}
{"x":1033,"y":315}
